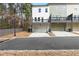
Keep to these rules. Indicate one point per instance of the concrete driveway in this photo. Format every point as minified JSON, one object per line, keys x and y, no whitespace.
{"x":39,"y":35}
{"x":76,"y":32}
{"x":63,"y":34}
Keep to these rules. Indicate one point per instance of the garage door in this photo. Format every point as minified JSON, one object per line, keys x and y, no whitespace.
{"x":40,"y":27}
{"x":76,"y":27}
{"x":57,"y":27}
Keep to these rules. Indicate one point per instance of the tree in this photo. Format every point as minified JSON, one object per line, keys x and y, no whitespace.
{"x":27,"y":10}
{"x":1,"y":9}
{"x":12,"y":13}
{"x":1,"y":14}
{"x":11,"y":9}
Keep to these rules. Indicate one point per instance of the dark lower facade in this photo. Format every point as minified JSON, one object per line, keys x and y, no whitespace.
{"x":57,"y":24}
{"x":44,"y":27}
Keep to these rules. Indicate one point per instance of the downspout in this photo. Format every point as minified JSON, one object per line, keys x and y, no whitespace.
{"x":49,"y":23}
{"x":72,"y":23}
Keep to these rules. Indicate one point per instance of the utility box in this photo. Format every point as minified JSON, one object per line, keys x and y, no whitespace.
{"x":49,"y":30}
{"x":30,"y":30}
{"x":69,"y":30}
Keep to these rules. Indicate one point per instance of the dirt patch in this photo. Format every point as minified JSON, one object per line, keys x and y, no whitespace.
{"x":22,"y":34}
{"x":18,"y":34}
{"x":40,"y":53}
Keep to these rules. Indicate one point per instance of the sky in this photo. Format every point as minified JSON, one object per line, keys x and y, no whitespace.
{"x":39,"y":3}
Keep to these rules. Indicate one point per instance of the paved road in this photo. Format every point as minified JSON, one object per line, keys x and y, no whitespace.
{"x":41,"y":43}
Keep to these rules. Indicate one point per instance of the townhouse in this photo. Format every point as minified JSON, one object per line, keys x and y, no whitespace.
{"x":40,"y":15}
{"x":55,"y":17}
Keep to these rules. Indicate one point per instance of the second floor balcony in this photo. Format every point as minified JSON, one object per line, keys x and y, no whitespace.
{"x":64,"y":19}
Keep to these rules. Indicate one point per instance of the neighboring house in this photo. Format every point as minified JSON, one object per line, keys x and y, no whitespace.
{"x":60,"y":13}
{"x":73,"y":8}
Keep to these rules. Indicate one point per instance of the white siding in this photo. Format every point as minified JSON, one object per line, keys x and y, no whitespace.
{"x":59,"y":10}
{"x":63,"y":10}
{"x":35,"y":13}
{"x":73,"y":8}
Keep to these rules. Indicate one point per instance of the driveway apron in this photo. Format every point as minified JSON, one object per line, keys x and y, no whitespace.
{"x":39,"y":35}
{"x":63,"y":34}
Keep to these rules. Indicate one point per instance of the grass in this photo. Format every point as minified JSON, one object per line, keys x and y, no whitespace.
{"x":39,"y":53}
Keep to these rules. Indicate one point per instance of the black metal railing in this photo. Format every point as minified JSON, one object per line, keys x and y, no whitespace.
{"x":64,"y":19}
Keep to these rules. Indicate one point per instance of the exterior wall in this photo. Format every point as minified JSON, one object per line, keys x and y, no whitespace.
{"x":35,"y":13}
{"x":58,"y":10}
{"x":73,"y":8}
{"x":63,"y":10}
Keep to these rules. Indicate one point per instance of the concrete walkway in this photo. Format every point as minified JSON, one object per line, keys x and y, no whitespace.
{"x":39,"y":35}
{"x":63,"y":34}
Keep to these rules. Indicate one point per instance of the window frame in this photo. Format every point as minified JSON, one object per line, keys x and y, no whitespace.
{"x":39,"y":10}
{"x":38,"y":18}
{"x":46,"y":10}
{"x":42,"y":19}
{"x":35,"y":18}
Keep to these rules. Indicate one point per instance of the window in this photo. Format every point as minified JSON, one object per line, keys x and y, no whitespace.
{"x":42,"y":19}
{"x":35,"y":19}
{"x":38,"y":18}
{"x":46,"y":10}
{"x":39,"y":10}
